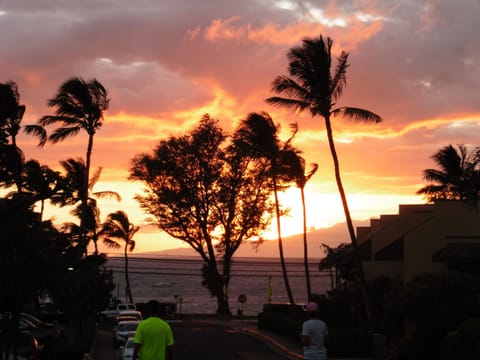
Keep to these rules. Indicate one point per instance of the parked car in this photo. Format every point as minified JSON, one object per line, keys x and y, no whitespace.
{"x":121,"y":318}
{"x":113,"y":311}
{"x":127,"y":352}
{"x":122,"y":331}
{"x":28,"y":347}
{"x":128,"y":315}
{"x":35,"y":320}
{"x":42,"y":334}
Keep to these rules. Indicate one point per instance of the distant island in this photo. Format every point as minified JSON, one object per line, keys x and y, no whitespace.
{"x":293,"y":245}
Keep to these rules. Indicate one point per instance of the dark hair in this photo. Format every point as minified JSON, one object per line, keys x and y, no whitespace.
{"x":153,"y":307}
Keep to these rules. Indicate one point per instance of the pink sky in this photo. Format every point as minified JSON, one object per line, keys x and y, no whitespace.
{"x":165,"y":63}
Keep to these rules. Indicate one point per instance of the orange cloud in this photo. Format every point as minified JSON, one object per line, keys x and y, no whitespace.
{"x":271,"y":33}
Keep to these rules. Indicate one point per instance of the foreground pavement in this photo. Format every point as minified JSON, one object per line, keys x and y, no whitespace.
{"x":203,"y":339}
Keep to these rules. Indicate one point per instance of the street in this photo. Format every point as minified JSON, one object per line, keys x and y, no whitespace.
{"x":197,"y":340}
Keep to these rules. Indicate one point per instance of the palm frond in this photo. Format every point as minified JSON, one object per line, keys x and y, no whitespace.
{"x":357,"y":114}
{"x":339,"y":80}
{"x":288,"y":86}
{"x":37,"y":130}
{"x":110,"y":243}
{"x":99,"y":93}
{"x":108,"y":195}
{"x":94,"y":178}
{"x":434,"y":175}
{"x":55,"y":119}
{"x":298,"y":105}
{"x":313,"y":170}
{"x":64,"y":132}
{"x":131,"y":245}
{"x":294,"y":127}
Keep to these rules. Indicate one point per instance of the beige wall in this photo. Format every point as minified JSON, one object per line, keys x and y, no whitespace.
{"x":425,"y":229}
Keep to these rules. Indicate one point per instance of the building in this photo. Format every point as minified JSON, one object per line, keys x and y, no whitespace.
{"x":421,"y":238}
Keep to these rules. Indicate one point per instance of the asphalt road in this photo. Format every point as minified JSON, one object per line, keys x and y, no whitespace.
{"x":198,"y":340}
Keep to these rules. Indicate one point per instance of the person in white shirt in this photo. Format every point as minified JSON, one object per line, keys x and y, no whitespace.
{"x":314,"y":335}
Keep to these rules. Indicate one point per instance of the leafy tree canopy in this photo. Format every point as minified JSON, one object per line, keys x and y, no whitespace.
{"x":202,"y":191}
{"x":206,"y":191}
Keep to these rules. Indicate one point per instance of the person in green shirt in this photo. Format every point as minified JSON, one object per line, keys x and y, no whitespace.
{"x":153,"y":339}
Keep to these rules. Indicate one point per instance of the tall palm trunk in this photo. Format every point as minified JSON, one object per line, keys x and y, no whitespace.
{"x":84,"y":197}
{"x":305,"y":246}
{"x":348,"y":218}
{"x":127,"y":279}
{"x":280,"y":245}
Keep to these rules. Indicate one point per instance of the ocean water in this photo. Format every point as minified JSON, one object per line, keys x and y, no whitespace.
{"x":178,"y":280}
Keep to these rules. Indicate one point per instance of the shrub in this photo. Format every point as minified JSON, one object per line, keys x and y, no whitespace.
{"x":284,"y":319}
{"x":349,"y":343}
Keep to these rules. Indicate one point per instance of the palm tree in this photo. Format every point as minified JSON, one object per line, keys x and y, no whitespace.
{"x":42,"y":182}
{"x":118,"y":226}
{"x":11,"y":116}
{"x":72,"y":187}
{"x":260,"y":136}
{"x":297,"y":168}
{"x":458,"y":176}
{"x":340,"y":262}
{"x":79,"y":105}
{"x":315,"y":87}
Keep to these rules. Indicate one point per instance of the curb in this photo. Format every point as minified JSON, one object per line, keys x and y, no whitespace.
{"x":275,"y":345}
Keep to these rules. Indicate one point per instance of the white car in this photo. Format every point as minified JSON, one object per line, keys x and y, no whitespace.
{"x":122,"y":330}
{"x":113,"y":311}
{"x":127,"y":353}
{"x":129,"y":315}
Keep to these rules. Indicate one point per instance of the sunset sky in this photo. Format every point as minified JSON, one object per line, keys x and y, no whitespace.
{"x":166,"y":63}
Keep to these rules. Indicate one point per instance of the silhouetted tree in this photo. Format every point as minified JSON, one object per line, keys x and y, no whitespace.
{"x":11,"y":115}
{"x":117,"y":226}
{"x":314,"y":86}
{"x":73,"y":185}
{"x":26,"y":255}
{"x":79,"y":105}
{"x":258,"y":133}
{"x":295,"y":164}
{"x":81,"y":287}
{"x":457,"y":176}
{"x":43,"y":182}
{"x":340,"y":262}
{"x":209,"y":193}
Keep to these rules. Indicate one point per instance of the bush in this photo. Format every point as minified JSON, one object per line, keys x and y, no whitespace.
{"x":429,"y":341}
{"x":284,"y":319}
{"x":349,"y":343}
{"x":464,"y":343}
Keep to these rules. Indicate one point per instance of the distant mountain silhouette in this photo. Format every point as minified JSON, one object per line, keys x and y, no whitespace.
{"x":292,"y":245}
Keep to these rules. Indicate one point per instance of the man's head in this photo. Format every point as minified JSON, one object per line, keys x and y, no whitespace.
{"x":153,"y":307}
{"x":312,"y":307}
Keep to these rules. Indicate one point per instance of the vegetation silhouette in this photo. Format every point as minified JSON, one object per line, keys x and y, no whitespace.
{"x":117,"y":226}
{"x":296,"y":166}
{"x":314,"y":86}
{"x":73,"y":185}
{"x":457,"y":176}
{"x":205,"y":189}
{"x":259,"y":135}
{"x":37,"y":257}
{"x":211,"y":190}
{"x":78,"y":105}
